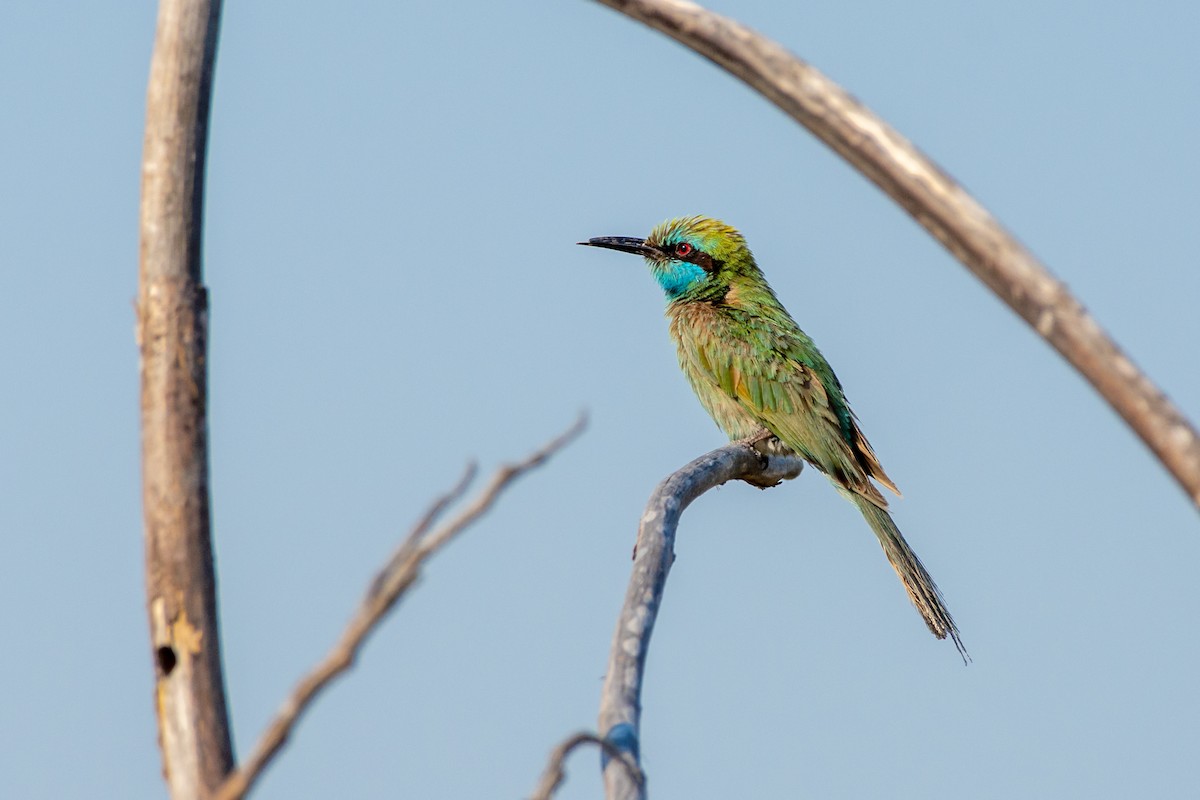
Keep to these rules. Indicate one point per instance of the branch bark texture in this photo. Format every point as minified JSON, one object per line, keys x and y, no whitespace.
{"x":171,"y":333}
{"x":943,"y":208}
{"x":620,"y":702}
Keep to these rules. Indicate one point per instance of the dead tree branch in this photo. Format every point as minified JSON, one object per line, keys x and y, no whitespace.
{"x":943,"y":208}
{"x":620,"y":701}
{"x":556,"y":772}
{"x":172,"y":330}
{"x":385,"y":590}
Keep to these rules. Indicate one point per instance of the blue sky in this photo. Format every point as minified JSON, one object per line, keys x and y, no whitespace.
{"x":395,"y":191}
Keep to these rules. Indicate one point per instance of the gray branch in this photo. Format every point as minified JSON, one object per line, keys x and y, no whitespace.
{"x":620,"y":702}
{"x":944,"y":209}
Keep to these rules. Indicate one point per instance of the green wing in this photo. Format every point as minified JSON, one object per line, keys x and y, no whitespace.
{"x":779,"y":378}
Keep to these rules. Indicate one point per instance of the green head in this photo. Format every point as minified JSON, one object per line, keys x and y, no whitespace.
{"x":692,"y":258}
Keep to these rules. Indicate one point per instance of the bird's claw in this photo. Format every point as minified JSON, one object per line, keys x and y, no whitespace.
{"x":763,"y":444}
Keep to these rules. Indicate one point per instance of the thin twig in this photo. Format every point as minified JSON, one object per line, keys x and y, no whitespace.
{"x":620,"y":700}
{"x":943,"y":208}
{"x":435,"y":511}
{"x":556,"y":773}
{"x":387,"y":587}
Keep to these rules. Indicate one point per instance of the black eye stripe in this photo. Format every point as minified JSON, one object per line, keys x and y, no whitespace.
{"x":696,"y":256}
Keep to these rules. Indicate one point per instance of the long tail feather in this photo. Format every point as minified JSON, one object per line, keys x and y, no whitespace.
{"x":920,"y":586}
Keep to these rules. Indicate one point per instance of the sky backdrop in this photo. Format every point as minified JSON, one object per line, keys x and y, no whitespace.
{"x":394,"y":194}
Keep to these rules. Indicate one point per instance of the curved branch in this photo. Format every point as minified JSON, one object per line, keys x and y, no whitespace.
{"x":172,"y":329}
{"x":556,"y":773}
{"x":943,"y":208}
{"x":385,"y":590}
{"x":620,"y":703}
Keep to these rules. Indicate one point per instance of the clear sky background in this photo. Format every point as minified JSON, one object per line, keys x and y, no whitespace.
{"x":395,"y":190}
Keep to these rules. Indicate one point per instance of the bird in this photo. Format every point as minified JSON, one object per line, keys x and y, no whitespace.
{"x":758,"y":375}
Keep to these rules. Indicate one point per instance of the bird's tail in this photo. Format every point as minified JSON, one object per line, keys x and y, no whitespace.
{"x":920,"y":586}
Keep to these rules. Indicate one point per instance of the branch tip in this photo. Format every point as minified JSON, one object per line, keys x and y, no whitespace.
{"x":387,"y":587}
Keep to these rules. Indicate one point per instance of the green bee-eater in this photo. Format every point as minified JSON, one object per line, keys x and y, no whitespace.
{"x":756,"y":372}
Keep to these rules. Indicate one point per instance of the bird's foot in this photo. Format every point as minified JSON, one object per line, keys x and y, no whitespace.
{"x":764,"y":444}
{"x":763,"y":441}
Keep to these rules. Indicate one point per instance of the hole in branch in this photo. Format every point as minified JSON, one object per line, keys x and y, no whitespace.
{"x":166,"y":659}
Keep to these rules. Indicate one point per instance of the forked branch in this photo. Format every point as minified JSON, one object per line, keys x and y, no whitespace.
{"x":385,"y":590}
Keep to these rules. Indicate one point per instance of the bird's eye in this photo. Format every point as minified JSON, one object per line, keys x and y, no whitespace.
{"x":683,"y":249}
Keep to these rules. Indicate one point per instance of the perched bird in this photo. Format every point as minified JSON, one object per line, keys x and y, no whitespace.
{"x":758,"y":374}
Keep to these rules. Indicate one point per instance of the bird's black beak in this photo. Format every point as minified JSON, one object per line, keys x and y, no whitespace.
{"x":626,"y":244}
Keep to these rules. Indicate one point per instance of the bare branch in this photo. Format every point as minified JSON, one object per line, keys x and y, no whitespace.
{"x":943,"y":208}
{"x":172,"y":331}
{"x":388,"y":586}
{"x":620,"y":701}
{"x":556,"y":773}
{"x":435,"y":511}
